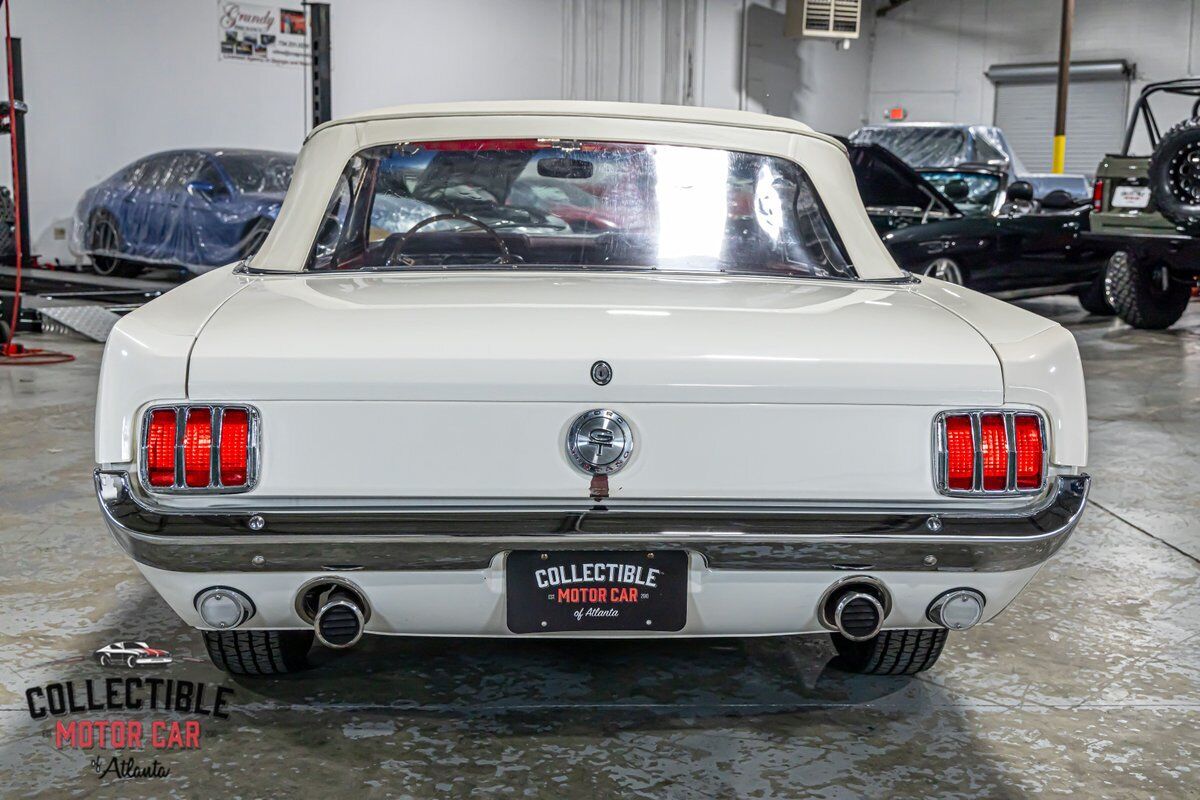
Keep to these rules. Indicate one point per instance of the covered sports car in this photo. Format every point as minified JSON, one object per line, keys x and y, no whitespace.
{"x":194,"y":209}
{"x":938,"y":145}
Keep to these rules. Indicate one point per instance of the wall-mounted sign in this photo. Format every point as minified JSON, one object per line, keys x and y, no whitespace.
{"x":895,"y":114}
{"x":265,"y":34}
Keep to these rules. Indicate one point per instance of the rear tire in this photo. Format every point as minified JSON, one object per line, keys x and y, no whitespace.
{"x":901,"y":652}
{"x":259,"y":652}
{"x":104,"y":239}
{"x":1093,"y":300}
{"x":1135,"y":289}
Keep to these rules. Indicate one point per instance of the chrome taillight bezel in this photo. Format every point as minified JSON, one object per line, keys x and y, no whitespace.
{"x":217,"y":410}
{"x":940,"y":452}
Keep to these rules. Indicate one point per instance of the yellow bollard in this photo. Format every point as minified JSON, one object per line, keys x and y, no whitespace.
{"x":1060,"y":155}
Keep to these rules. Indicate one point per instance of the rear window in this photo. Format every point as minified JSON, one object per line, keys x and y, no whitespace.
{"x":551,"y":204}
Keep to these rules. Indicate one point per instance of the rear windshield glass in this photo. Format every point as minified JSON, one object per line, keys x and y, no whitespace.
{"x":541,"y":204}
{"x":982,"y":189}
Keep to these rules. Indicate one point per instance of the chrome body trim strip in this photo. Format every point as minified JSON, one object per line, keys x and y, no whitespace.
{"x":727,"y":538}
{"x":244,"y":269}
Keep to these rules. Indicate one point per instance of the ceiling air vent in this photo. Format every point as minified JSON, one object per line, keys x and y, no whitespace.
{"x":832,"y":19}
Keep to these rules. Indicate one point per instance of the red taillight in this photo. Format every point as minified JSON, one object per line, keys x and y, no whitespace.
{"x":218,"y":445}
{"x":235,"y":431}
{"x":160,"y":447}
{"x":960,"y":453}
{"x":993,"y":446}
{"x":1098,"y":195}
{"x":197,"y":448}
{"x":1029,"y":451}
{"x":983,"y":448}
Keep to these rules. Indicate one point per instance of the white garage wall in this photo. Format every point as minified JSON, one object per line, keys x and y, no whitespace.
{"x":828,"y":86}
{"x":110,"y":81}
{"x":389,"y":52}
{"x":930,"y":55}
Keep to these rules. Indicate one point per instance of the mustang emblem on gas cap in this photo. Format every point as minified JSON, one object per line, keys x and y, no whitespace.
{"x":600,"y":441}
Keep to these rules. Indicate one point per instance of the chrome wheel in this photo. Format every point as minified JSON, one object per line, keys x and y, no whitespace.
{"x":106,"y":241}
{"x":944,"y":269}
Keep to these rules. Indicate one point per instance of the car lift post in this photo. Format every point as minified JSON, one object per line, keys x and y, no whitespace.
{"x":16,"y":130}
{"x":321,"y":89}
{"x":12,"y":353}
{"x":1064,"y":81}
{"x":18,"y":134}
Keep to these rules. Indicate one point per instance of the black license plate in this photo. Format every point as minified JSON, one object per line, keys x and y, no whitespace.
{"x":596,"y":590}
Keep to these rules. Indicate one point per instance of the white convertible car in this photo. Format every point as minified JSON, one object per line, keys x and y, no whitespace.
{"x":584,"y":369}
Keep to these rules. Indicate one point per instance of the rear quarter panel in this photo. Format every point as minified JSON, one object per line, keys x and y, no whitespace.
{"x":1039,"y":360}
{"x":146,"y":356}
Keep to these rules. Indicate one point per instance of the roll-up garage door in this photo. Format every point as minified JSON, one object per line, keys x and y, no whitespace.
{"x":1096,"y":112}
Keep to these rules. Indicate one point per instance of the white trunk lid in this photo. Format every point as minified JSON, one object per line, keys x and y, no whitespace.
{"x":533,"y":337}
{"x":460,"y":388}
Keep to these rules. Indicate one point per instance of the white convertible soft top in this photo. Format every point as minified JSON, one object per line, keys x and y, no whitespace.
{"x":330,"y":147}
{"x":585,"y":108}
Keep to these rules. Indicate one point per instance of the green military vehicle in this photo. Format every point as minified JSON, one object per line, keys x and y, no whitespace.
{"x":1146,"y":205}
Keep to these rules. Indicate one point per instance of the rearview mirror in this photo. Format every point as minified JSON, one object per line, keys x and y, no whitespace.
{"x":575,"y":168}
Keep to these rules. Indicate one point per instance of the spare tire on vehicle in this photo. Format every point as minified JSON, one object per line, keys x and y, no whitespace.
{"x":1143,"y":292}
{"x":1175,"y":176}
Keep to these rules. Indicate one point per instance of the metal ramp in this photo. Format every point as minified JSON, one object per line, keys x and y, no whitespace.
{"x":78,"y":303}
{"x":91,"y":322}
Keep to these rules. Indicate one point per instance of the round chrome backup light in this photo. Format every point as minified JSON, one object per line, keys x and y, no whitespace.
{"x":957,"y":609}
{"x":223,"y":608}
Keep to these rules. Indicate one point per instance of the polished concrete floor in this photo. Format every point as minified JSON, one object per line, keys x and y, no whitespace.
{"x":1088,"y":685}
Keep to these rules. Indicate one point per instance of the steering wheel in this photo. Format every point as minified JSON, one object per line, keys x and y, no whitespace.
{"x":393,"y":256}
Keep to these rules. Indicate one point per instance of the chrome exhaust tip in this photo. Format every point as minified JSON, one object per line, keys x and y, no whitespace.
{"x":957,"y":609}
{"x":339,"y":621}
{"x":857,"y":615}
{"x":855,"y":607}
{"x":336,"y":608}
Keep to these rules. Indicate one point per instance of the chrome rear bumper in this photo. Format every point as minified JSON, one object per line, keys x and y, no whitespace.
{"x":727,"y":538}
